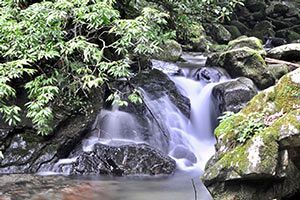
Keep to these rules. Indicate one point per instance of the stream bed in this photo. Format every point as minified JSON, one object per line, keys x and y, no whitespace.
{"x":181,"y":186}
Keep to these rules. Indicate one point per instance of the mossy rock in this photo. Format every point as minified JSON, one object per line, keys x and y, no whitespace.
{"x":278,"y":70}
{"x":218,"y":47}
{"x":244,"y":30}
{"x":244,"y":62}
{"x":251,"y":42}
{"x":263,"y":29}
{"x":234,"y":31}
{"x":201,"y":44}
{"x":171,"y":51}
{"x":289,"y":34}
{"x":218,"y":33}
{"x":270,"y":154}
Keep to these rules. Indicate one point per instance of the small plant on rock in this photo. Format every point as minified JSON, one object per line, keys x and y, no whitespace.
{"x":250,"y":126}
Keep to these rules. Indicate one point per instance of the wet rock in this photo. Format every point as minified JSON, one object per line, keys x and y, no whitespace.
{"x":169,"y":68}
{"x":244,"y":62}
{"x":154,"y":86}
{"x":208,"y":74}
{"x":201,"y":45}
{"x":269,"y":156}
{"x":218,"y":33}
{"x":182,"y":152}
{"x":233,"y":95}
{"x":171,"y":51}
{"x":135,"y":159}
{"x":288,"y":52}
{"x":272,"y":42}
{"x":158,"y":84}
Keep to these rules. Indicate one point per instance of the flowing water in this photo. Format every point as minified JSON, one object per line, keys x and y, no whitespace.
{"x":191,"y":143}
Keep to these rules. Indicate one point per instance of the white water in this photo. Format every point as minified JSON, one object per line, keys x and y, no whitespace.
{"x":191,"y":141}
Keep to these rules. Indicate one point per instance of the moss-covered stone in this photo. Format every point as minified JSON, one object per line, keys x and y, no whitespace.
{"x":263,"y":29}
{"x":171,"y":51}
{"x":260,"y":157}
{"x":278,"y":70}
{"x":251,"y":42}
{"x":244,"y":62}
{"x":218,"y":33}
{"x":234,"y":31}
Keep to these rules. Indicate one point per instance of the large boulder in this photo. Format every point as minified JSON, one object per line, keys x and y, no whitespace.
{"x":134,"y":159}
{"x":244,"y":30}
{"x":279,"y":70}
{"x":288,"y":52}
{"x":259,"y":146}
{"x":251,"y":42}
{"x":233,"y":95}
{"x":244,"y":62}
{"x":171,"y":51}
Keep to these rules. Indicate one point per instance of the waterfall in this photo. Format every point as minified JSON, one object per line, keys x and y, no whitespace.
{"x":189,"y":141}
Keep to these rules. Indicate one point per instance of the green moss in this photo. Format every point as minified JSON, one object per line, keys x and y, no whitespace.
{"x":255,"y":105}
{"x":287,"y":94}
{"x":227,"y":130}
{"x":236,"y":159}
{"x":218,"y":47}
{"x":251,"y":42}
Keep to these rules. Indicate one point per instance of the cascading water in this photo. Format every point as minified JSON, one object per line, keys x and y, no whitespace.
{"x":191,"y":140}
{"x":188,"y":140}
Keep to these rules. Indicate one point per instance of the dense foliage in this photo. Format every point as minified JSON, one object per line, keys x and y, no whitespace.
{"x":60,"y":50}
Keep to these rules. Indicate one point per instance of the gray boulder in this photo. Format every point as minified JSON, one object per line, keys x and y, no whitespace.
{"x":279,"y":70}
{"x":288,"y":52}
{"x":134,"y":159}
{"x":243,"y":41}
{"x":233,"y":95}
{"x":269,"y":154}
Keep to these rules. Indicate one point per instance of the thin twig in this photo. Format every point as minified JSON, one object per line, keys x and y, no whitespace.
{"x":195,"y":190}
